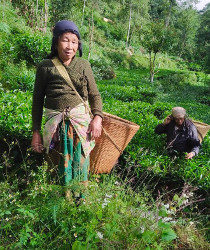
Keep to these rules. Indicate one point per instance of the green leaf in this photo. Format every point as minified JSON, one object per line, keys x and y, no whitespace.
{"x":163,"y":225}
{"x":163,"y":212}
{"x":77,"y":245}
{"x":7,"y":212}
{"x":148,"y":236}
{"x":168,"y":235}
{"x":176,"y":197}
{"x":99,"y":214}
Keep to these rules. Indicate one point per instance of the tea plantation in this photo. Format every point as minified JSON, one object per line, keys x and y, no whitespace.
{"x":149,"y":200}
{"x":154,"y":199}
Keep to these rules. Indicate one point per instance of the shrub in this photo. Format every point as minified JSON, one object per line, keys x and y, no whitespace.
{"x":18,"y":76}
{"x":181,"y":78}
{"x":116,"y":57}
{"x":194,"y":66}
{"x":15,"y":118}
{"x":112,"y":216}
{"x":127,"y":99}
{"x":147,"y":150}
{"x":205,"y":100}
{"x":32,"y":48}
{"x":5,"y":28}
{"x":102,"y":70}
{"x":8,"y":54}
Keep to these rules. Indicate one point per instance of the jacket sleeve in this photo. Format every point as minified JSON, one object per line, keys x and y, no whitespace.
{"x":160,"y":129}
{"x":194,"y":139}
{"x":38,"y":97}
{"x":94,"y":96}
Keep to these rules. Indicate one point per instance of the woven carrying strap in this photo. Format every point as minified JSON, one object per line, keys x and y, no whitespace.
{"x":62,"y":70}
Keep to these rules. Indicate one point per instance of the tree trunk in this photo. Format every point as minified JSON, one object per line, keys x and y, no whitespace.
{"x":91,"y":28}
{"x":83,"y":12}
{"x":37,"y":5}
{"x":169,"y":14}
{"x":132,"y":30}
{"x":37,"y":18}
{"x":45,"y":16}
{"x":3,"y":14}
{"x":152,"y":66}
{"x":182,"y":44}
{"x":129,"y":27}
{"x":152,"y":77}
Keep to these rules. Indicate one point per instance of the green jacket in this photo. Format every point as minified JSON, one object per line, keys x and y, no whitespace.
{"x":53,"y":92}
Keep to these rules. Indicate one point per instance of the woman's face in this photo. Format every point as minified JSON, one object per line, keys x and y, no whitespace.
{"x":179,"y":121}
{"x":67,"y":47}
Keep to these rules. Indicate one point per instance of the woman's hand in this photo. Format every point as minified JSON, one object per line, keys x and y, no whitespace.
{"x":95,"y":127}
{"x":36,"y":142}
{"x":167,"y":120}
{"x":190,"y":155}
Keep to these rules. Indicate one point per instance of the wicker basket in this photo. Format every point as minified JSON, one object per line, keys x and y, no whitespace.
{"x":115,"y":136}
{"x":202,"y":129}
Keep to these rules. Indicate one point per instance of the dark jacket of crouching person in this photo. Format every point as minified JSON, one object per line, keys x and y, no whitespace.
{"x":181,"y":133}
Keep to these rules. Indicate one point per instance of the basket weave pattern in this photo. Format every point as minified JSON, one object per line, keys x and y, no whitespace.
{"x":202,"y":128}
{"x":108,"y":147}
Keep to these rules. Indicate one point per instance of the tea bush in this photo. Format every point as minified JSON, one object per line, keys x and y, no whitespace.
{"x":129,"y":99}
{"x":129,"y":92}
{"x":32,"y":48}
{"x":102,"y":70}
{"x":20,"y":44}
{"x":15,"y":119}
{"x":146,"y":151}
{"x":18,"y":76}
{"x":181,"y":78}
{"x":205,"y":100}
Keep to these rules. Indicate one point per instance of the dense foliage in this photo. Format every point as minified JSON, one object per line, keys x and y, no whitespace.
{"x":150,"y":200}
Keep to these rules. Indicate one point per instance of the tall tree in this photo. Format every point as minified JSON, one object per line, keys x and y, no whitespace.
{"x":203,"y":39}
{"x":162,"y":10}
{"x":131,"y":16}
{"x":35,"y":12}
{"x":155,"y":37}
{"x":129,"y":24}
{"x":83,"y":12}
{"x":91,"y":32}
{"x":45,"y":16}
{"x":59,"y":10}
{"x":186,"y":25}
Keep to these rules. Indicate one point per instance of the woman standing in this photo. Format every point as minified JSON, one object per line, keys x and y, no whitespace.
{"x":67,"y":119}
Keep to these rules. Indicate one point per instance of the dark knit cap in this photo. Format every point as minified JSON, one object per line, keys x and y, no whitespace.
{"x":63,"y":27}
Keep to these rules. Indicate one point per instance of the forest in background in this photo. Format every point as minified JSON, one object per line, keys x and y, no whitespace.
{"x":147,"y":57}
{"x":117,"y":32}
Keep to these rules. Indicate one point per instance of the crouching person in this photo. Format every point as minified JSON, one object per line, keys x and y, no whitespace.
{"x":181,"y":133}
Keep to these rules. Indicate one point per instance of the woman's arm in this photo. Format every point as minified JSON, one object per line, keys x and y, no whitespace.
{"x":95,"y":101}
{"x":162,"y":128}
{"x":37,"y":108}
{"x":94,"y":96}
{"x":38,"y":97}
{"x":194,"y":140}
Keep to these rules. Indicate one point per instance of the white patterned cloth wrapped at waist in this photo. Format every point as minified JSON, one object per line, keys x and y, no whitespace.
{"x":80,"y":120}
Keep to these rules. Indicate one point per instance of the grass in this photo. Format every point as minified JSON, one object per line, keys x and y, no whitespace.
{"x":112,"y":216}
